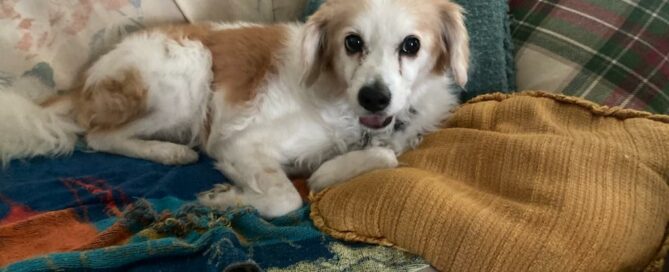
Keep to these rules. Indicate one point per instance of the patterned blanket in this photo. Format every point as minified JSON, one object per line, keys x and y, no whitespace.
{"x":101,"y":212}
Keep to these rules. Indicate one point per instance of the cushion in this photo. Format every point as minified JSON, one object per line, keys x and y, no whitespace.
{"x":264,"y":11}
{"x":44,"y":44}
{"x":611,"y":52}
{"x":527,"y":182}
{"x":492,"y":63}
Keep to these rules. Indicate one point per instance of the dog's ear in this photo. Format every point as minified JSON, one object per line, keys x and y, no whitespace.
{"x":455,"y":47}
{"x":313,"y":45}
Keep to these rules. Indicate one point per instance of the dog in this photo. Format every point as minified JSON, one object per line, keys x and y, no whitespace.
{"x":340,"y":95}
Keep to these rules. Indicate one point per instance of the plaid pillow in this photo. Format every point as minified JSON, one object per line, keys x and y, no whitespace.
{"x":612,"y":52}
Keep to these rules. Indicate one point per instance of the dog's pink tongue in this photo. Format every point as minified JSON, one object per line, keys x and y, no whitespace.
{"x":375,"y":121}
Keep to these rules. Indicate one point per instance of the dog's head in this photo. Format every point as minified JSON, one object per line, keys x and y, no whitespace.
{"x":381,"y":49}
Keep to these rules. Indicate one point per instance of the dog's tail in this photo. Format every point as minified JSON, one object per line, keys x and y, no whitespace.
{"x":28,"y":129}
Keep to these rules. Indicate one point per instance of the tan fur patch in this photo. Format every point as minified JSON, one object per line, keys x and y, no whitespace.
{"x":243,"y":58}
{"x":453,"y":39}
{"x":54,"y":100}
{"x":331,"y":20}
{"x":185,"y":31}
{"x":270,"y":171}
{"x":443,"y":59}
{"x":206,"y":128}
{"x":112,"y":103}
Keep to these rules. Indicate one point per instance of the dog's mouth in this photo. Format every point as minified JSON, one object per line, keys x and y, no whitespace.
{"x":376,"y":121}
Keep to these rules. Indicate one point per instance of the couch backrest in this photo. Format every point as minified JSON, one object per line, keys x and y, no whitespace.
{"x":242,"y":10}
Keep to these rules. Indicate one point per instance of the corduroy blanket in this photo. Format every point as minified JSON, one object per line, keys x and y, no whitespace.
{"x":528,"y":182}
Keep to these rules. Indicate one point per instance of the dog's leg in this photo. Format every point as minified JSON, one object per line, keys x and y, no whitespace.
{"x":260,"y":182}
{"x":127,"y":141}
{"x":350,"y":165}
{"x":157,"y":151}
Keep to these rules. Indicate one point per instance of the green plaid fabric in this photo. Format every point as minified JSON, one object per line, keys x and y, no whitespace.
{"x":612,"y":52}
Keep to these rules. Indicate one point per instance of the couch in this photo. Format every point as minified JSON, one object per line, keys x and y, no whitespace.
{"x":101,"y":212}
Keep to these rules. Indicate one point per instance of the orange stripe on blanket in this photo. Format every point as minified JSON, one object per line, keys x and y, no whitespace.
{"x":17,"y":211}
{"x":49,"y":232}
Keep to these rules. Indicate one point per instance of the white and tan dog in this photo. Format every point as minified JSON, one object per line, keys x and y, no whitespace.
{"x":341,"y":95}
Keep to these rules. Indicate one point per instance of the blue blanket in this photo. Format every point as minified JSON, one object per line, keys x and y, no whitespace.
{"x":92,"y":211}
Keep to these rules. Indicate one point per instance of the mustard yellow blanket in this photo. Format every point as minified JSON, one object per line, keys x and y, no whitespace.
{"x":527,"y":182}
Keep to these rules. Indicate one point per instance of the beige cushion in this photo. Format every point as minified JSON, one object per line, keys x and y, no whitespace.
{"x":528,"y":182}
{"x":264,"y":11}
{"x":45,"y":44}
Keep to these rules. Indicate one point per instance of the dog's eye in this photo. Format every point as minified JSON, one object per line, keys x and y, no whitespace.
{"x":410,"y":46}
{"x":354,"y":44}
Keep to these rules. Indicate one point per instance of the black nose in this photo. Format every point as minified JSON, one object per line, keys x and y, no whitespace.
{"x":375,"y":97}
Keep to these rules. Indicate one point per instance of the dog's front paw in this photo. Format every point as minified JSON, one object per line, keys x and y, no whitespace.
{"x":350,"y":165}
{"x":415,"y":141}
{"x":324,"y":177}
{"x":222,"y":196}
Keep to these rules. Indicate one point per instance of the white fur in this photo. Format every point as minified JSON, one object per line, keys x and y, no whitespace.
{"x":288,"y":128}
{"x":177,"y":75}
{"x":27,"y":130}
